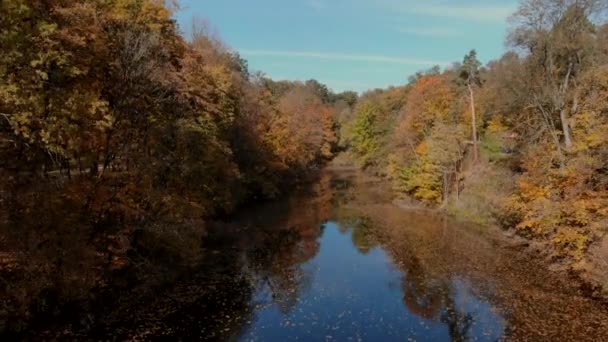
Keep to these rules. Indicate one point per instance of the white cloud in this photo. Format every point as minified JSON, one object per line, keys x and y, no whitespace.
{"x":430,"y":32}
{"x":343,"y":57}
{"x":468,"y":12}
{"x":479,"y":11}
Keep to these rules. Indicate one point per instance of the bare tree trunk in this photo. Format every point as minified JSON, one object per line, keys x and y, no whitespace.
{"x":563,"y":112}
{"x":563,"y":115}
{"x":474,"y":124}
{"x":551,"y":127}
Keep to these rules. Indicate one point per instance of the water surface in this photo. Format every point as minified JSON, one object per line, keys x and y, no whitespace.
{"x":339,"y":261}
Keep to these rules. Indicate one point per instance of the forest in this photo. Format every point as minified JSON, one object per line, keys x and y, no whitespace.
{"x":520,"y":142}
{"x":121,"y":138}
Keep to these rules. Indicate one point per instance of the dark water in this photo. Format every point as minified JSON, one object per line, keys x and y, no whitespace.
{"x":339,"y":262}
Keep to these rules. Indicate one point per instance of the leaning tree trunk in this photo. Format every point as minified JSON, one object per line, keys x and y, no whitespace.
{"x":474,"y":123}
{"x":563,"y":112}
{"x":563,"y":116}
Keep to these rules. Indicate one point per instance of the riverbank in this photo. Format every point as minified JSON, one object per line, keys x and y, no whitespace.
{"x":474,"y":248}
{"x":76,"y":252}
{"x":338,"y":258}
{"x":589,"y":275}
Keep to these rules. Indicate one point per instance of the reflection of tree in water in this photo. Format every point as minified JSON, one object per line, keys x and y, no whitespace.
{"x":271,"y":242}
{"x":420,"y":295}
{"x":362,"y":234}
{"x":459,"y":323}
{"x":344,"y":192}
{"x":215,"y":298}
{"x":350,"y":191}
{"x":426,"y":285}
{"x":220,"y":310}
{"x":286,"y":236}
{"x":277,"y":265}
{"x":433,"y":299}
{"x":213,"y":302}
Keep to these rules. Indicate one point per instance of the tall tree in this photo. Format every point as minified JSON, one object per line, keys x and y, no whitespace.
{"x":469,"y":73}
{"x":557,"y":35}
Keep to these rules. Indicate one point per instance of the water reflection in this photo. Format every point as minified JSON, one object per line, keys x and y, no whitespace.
{"x":339,"y":262}
{"x":352,"y":295}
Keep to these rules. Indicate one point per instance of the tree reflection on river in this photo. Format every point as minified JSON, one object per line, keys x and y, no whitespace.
{"x":340,"y":262}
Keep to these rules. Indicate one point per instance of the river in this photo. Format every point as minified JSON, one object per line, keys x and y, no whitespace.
{"x":338,"y":261}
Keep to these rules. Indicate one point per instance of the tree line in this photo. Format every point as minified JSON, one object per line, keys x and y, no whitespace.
{"x":120,"y":139}
{"x":521,"y":141}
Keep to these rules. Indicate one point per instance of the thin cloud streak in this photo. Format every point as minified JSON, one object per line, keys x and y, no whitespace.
{"x":476,"y":12}
{"x":343,"y":57}
{"x":429,"y":32}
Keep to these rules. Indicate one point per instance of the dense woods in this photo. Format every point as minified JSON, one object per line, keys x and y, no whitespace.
{"x":537,"y":117}
{"x":120,"y":139}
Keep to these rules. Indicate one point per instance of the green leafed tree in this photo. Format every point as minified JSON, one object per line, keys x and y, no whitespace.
{"x":365,"y":134}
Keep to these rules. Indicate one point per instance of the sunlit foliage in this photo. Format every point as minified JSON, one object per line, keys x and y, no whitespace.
{"x":540,"y":113}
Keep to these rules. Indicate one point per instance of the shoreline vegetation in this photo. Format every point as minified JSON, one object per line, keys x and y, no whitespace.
{"x":520,"y":143}
{"x":120,"y":140}
{"x":589,"y":280}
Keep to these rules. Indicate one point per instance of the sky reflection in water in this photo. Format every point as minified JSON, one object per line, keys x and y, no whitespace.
{"x":350,"y":292}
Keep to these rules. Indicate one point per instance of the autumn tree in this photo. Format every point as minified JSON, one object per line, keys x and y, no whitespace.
{"x":506,"y":92}
{"x":320,"y":90}
{"x":561,"y":73}
{"x":428,"y":139}
{"x":470,"y":75}
{"x":556,"y":34}
{"x":125,"y":138}
{"x":349,"y":97}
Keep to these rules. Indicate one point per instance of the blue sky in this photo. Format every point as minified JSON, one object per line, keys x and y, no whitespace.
{"x":354,"y":44}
